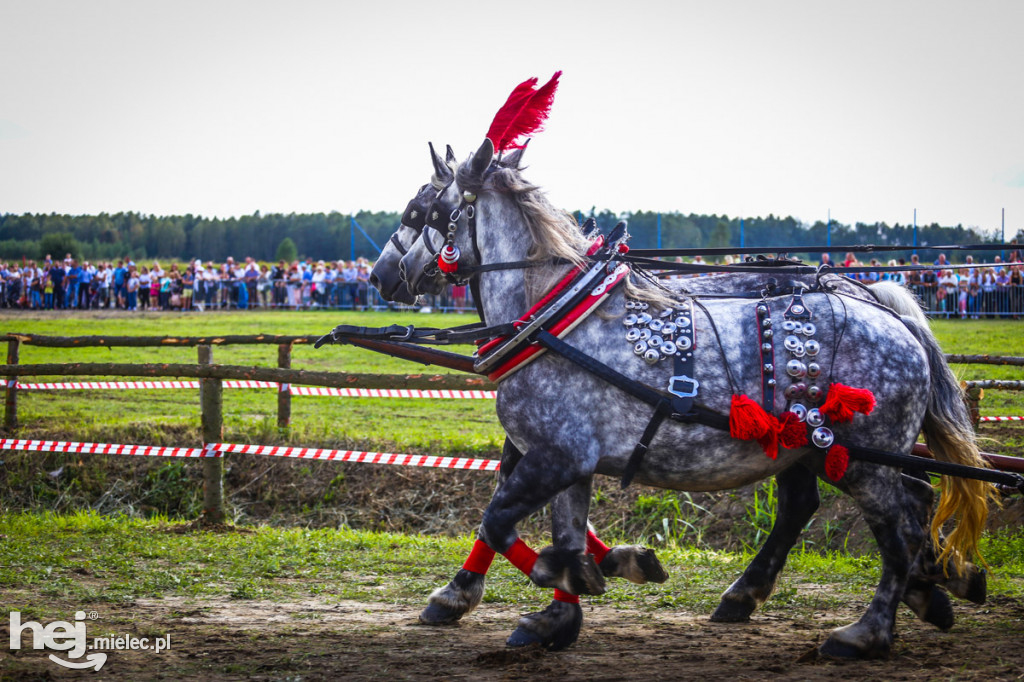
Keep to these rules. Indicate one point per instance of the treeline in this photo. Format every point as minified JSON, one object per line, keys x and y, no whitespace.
{"x":336,"y":236}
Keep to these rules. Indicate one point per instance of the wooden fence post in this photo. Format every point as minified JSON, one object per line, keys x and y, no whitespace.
{"x":972,"y":396}
{"x":211,"y":402}
{"x":11,"y":398}
{"x":284,"y":393}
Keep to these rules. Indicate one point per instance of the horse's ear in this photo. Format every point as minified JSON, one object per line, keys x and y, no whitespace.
{"x":449,"y":156}
{"x":442,"y":171}
{"x":514,"y":158}
{"x":481,"y":160}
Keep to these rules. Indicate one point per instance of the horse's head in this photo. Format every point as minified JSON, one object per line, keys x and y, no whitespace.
{"x":484,"y":190}
{"x":386,"y":275}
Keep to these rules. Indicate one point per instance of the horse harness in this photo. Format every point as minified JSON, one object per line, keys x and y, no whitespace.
{"x":504,"y":349}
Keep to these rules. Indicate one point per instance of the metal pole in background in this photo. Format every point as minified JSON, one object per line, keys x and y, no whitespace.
{"x":1002,"y":236}
{"x":742,"y":235}
{"x":351,"y":238}
{"x":915,"y":231}
{"x":659,"y":229}
{"x":828,"y":241}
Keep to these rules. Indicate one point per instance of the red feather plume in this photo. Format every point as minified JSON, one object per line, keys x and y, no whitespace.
{"x":523,"y":113}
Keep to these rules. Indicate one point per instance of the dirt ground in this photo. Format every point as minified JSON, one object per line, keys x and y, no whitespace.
{"x":311,"y":640}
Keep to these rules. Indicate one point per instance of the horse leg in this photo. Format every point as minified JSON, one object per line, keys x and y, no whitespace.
{"x":797,"y":502}
{"x":889,"y":513}
{"x":537,"y":479}
{"x":463,"y":593}
{"x":558,"y":625}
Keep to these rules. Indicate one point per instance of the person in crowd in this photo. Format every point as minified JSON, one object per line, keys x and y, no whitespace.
{"x":988,"y":291}
{"x":251,"y":276}
{"x":145,"y":288}
{"x":319,"y":286}
{"x":188,"y":283}
{"x":264,"y":286}
{"x":280,"y":278}
{"x":132,"y":289}
{"x":120,"y":276}
{"x":85,"y":290}
{"x":47,"y":290}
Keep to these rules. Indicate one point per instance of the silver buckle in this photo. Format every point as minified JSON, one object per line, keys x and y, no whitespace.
{"x":683,"y":394}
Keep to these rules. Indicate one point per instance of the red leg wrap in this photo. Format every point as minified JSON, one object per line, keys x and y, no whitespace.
{"x":479,"y":560}
{"x":596,"y":547}
{"x":566,"y":597}
{"x":521,"y":556}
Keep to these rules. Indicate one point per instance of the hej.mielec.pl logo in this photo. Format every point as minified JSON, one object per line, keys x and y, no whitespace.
{"x":60,"y":635}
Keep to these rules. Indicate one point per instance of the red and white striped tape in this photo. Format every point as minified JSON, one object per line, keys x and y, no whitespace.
{"x":102,"y":448}
{"x":218,"y":450}
{"x":1002,"y":419}
{"x":391,"y":393}
{"x":359,"y":456}
{"x":295,"y":390}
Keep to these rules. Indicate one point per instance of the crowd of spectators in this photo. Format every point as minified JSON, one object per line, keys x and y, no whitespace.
{"x":945,"y":289}
{"x":127,"y":285}
{"x":964,"y":290}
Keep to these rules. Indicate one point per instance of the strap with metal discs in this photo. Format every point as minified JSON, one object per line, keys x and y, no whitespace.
{"x":766,"y":339}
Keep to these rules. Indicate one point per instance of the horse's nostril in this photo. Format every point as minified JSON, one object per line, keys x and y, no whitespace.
{"x":375,"y":282}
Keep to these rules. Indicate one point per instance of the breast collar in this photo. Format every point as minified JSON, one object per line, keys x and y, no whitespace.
{"x":561,"y":310}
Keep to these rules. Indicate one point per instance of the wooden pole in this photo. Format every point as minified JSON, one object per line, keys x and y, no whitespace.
{"x":211,"y":402}
{"x":284,"y":393}
{"x":972,"y":396}
{"x":11,"y":398}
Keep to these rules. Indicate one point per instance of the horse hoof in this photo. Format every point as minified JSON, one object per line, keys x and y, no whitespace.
{"x":634,"y":563}
{"x":555,"y":628}
{"x":940,"y":610}
{"x":834,"y":649}
{"x":977,"y":587}
{"x":451,"y":602}
{"x":567,"y":570}
{"x":437,"y":614}
{"x":732,"y":611}
{"x":855,"y":641}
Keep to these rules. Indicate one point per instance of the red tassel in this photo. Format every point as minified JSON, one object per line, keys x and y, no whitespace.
{"x":836,"y":461}
{"x":842,"y":401}
{"x":793,"y":432}
{"x":523,"y":113}
{"x":748,"y":420}
{"x":770,"y":441}
{"x":445,"y":266}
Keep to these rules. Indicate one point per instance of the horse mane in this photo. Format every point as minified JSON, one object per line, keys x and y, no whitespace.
{"x":554,"y":233}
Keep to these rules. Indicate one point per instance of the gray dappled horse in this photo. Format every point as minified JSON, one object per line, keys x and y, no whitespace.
{"x":447,"y":605}
{"x":797,"y":489}
{"x":540,"y":408}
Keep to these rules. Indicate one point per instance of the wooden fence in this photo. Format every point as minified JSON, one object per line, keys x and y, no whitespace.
{"x":212,"y":376}
{"x":211,"y":385}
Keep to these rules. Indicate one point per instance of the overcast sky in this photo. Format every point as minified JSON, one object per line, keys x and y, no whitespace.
{"x":868,"y":109}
